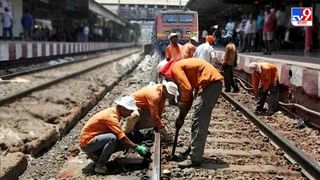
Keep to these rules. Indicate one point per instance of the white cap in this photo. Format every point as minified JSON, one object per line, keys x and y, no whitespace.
{"x":172,"y":89}
{"x":254,"y":66}
{"x":172,"y":35}
{"x":195,"y":38}
{"x":161,"y":64}
{"x":127,"y":102}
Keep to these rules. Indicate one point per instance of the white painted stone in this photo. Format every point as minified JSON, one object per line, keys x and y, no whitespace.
{"x":297,"y":75}
{"x":18,"y":51}
{"x":47,"y":49}
{"x":39,"y":52}
{"x":67,"y":48}
{"x":29,"y":50}
{"x":4,"y":51}
{"x":54,"y":48}
{"x":61,"y":48}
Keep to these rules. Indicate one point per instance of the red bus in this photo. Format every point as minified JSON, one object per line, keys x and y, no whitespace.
{"x":185,"y":23}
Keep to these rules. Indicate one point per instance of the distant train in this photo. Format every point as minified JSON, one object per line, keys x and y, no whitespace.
{"x":185,"y":23}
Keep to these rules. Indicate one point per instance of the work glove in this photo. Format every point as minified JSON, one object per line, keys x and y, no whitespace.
{"x":141,"y":150}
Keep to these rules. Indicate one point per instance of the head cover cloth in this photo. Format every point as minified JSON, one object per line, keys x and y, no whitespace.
{"x":127,"y":102}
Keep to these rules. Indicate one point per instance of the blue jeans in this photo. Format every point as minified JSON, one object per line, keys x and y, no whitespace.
{"x":102,"y":147}
{"x":273,"y":99}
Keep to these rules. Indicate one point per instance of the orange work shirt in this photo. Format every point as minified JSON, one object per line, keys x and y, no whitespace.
{"x":152,"y":99}
{"x":267,"y":77}
{"x":106,"y":121}
{"x":173,"y":52}
{"x":188,"y":50}
{"x":193,"y":73}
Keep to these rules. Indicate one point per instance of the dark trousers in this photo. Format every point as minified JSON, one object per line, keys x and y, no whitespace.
{"x":258,"y":40}
{"x":228,"y":78}
{"x":273,"y":99}
{"x":5,"y":31}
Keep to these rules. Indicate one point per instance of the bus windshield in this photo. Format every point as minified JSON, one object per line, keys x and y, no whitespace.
{"x":185,"y":18}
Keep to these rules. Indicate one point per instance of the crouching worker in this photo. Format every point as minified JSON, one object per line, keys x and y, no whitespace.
{"x":151,"y":101}
{"x":265,"y":81}
{"x":102,"y":135}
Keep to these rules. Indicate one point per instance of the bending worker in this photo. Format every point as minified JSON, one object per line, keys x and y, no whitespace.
{"x":196,"y":75}
{"x":102,"y":135}
{"x":264,"y":80}
{"x":151,"y":101}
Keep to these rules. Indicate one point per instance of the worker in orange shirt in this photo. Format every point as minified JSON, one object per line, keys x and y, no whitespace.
{"x":102,"y":135}
{"x":201,"y":77}
{"x":151,"y":101}
{"x":265,"y":81}
{"x":173,"y":51}
{"x":189,"y":48}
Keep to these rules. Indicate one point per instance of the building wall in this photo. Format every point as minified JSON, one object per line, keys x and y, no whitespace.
{"x":17,"y":13}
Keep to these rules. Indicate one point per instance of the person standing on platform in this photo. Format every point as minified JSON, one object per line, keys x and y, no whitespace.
{"x":229,"y":62}
{"x":268,"y":29}
{"x":151,"y":102}
{"x":259,"y":31}
{"x":27,"y":24}
{"x":206,"y":51}
{"x":265,"y":81}
{"x":7,"y":23}
{"x":249,"y":30}
{"x":189,"y":48}
{"x":198,"y":80}
{"x":102,"y":134}
{"x":86,"y":32}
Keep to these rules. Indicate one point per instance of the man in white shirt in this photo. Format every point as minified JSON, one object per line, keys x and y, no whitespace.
{"x":206,"y":51}
{"x":7,"y":21}
{"x":86,"y":32}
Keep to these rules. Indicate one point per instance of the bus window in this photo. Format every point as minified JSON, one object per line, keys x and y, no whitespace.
{"x":169,"y":18}
{"x":185,"y":18}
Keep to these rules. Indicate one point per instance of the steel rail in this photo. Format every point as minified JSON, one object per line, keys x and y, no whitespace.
{"x":310,"y":167}
{"x":156,"y":163}
{"x":17,"y":95}
{"x":91,"y":56}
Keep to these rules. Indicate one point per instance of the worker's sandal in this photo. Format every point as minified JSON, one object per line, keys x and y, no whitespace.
{"x":101,"y":169}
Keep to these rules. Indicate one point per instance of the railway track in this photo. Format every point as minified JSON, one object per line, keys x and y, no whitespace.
{"x":40,"y":78}
{"x":236,"y":148}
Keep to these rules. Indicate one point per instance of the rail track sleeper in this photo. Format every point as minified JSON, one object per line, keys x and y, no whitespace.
{"x":309,"y":166}
{"x":12,"y":97}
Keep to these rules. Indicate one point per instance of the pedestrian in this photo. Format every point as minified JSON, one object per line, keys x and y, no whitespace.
{"x":242,"y":26}
{"x":198,"y":80}
{"x":102,"y":134}
{"x":204,"y":34}
{"x":7,"y":21}
{"x":249,"y":32}
{"x":189,"y":48}
{"x":268,"y":29}
{"x":265,"y":81}
{"x":229,"y":62}
{"x":86,"y":32}
{"x":206,"y":51}
{"x":173,"y":54}
{"x":150,"y":101}
{"x":259,"y":31}
{"x":173,"y":50}
{"x":27,"y":24}
{"x":280,"y":29}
